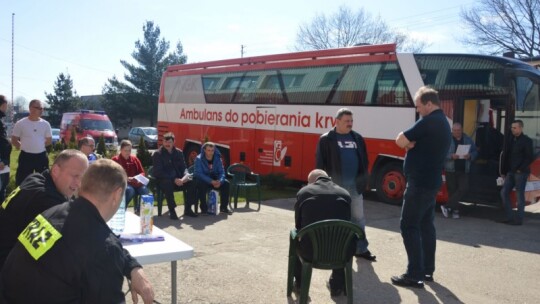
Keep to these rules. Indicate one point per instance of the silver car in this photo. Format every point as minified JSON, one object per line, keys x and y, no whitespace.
{"x":149,"y":134}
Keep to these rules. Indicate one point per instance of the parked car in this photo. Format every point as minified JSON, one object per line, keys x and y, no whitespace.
{"x":55,"y":135}
{"x":149,"y":134}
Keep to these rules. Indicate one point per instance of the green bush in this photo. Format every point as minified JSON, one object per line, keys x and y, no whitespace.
{"x":275,"y":181}
{"x":143,"y":154}
{"x":101,"y":147}
{"x":73,"y":144}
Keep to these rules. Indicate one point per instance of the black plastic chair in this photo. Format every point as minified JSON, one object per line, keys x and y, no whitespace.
{"x":333,"y":243}
{"x":242,"y":177}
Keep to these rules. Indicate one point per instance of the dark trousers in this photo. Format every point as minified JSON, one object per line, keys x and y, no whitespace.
{"x":30,"y":163}
{"x":519,"y":181}
{"x":458,"y":185}
{"x":168,"y":187}
{"x":418,"y":230}
{"x":203,"y":188}
{"x":4,"y":179}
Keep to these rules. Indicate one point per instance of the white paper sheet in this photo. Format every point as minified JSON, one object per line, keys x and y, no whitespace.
{"x":462,"y":150}
{"x":142,"y":179}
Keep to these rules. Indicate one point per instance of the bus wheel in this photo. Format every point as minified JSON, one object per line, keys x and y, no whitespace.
{"x":391,"y":184}
{"x":191,"y":153}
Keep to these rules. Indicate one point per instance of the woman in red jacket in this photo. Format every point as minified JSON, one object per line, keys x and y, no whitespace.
{"x":133,"y":167}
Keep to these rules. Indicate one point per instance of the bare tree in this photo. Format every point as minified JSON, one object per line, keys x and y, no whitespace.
{"x":498,"y":26}
{"x":346,"y":28}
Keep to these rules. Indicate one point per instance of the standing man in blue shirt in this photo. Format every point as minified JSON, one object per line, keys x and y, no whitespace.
{"x":342,"y":153}
{"x":426,"y":143}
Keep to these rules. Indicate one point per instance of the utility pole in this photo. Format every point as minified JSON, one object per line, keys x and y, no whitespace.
{"x":12,"y":53}
{"x":242,"y":47}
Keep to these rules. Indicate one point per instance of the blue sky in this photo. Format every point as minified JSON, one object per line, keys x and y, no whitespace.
{"x":87,"y":39}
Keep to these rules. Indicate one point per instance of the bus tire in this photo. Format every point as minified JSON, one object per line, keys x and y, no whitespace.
{"x":390,"y":183}
{"x":190,"y":153}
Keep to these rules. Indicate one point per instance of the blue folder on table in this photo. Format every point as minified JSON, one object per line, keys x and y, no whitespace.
{"x":139,"y":238}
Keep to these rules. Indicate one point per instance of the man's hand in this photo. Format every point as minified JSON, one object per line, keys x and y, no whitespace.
{"x":216,"y":184}
{"x":141,"y":286}
{"x":178,"y":181}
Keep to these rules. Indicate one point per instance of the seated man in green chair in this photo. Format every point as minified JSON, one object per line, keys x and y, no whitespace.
{"x":321,"y":200}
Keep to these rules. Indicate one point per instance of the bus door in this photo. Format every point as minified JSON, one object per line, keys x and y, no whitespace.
{"x":264,"y":144}
{"x":482,"y":121}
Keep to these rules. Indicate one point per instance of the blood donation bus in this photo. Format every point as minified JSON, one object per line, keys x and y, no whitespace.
{"x":269,"y":111}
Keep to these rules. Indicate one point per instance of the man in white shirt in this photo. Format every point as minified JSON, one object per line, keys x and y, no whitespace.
{"x":31,"y":135}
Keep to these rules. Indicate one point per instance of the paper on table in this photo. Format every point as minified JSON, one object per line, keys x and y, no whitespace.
{"x":462,"y":150}
{"x":142,"y":179}
{"x":5,"y":170}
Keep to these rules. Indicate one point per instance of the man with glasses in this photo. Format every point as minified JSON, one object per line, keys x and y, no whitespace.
{"x":171,"y":174}
{"x":87,"y":146}
{"x":32,"y":135}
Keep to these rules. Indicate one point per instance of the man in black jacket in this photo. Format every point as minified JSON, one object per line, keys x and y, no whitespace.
{"x":5,"y":149}
{"x":37,"y":193}
{"x":517,"y":158}
{"x":342,"y":153}
{"x":172,"y":175}
{"x":68,"y":254}
{"x":321,"y":200}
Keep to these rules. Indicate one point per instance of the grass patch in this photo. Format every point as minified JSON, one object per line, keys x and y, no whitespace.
{"x":274,"y":186}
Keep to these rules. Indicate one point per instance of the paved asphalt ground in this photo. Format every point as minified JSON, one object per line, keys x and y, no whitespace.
{"x":242,"y":258}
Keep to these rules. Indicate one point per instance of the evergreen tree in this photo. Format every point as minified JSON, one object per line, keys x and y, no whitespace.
{"x":64,"y":99}
{"x":143,"y":154}
{"x":138,"y":97}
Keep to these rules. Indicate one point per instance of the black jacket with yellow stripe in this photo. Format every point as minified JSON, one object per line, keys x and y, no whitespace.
{"x":67,"y":254}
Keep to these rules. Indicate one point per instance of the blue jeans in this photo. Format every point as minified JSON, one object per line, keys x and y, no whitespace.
{"x":358,"y":218}
{"x":418,"y":230}
{"x":130,"y":192}
{"x":519,"y":181}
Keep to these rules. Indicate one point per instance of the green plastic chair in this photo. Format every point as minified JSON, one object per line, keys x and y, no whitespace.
{"x":242,"y":177}
{"x":331,"y":241}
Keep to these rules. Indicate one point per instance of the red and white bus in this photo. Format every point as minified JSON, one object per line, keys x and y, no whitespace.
{"x":269,"y":111}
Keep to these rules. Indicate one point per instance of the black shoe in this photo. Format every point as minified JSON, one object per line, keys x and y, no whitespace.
{"x":173,"y":216}
{"x":504,"y":221}
{"x":336,"y":292}
{"x":514,"y":223}
{"x":404,"y":281}
{"x":226,"y":210}
{"x":428,"y":278}
{"x":366,"y":255}
{"x":190,"y":213}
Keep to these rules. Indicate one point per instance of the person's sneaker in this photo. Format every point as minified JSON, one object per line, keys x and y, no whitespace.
{"x":445,"y":211}
{"x":173,"y":216}
{"x":514,"y":223}
{"x":428,"y":278}
{"x":405,"y":281}
{"x":455,"y":214}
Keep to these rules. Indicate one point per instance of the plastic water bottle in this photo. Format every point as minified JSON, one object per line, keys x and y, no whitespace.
{"x":118,"y":221}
